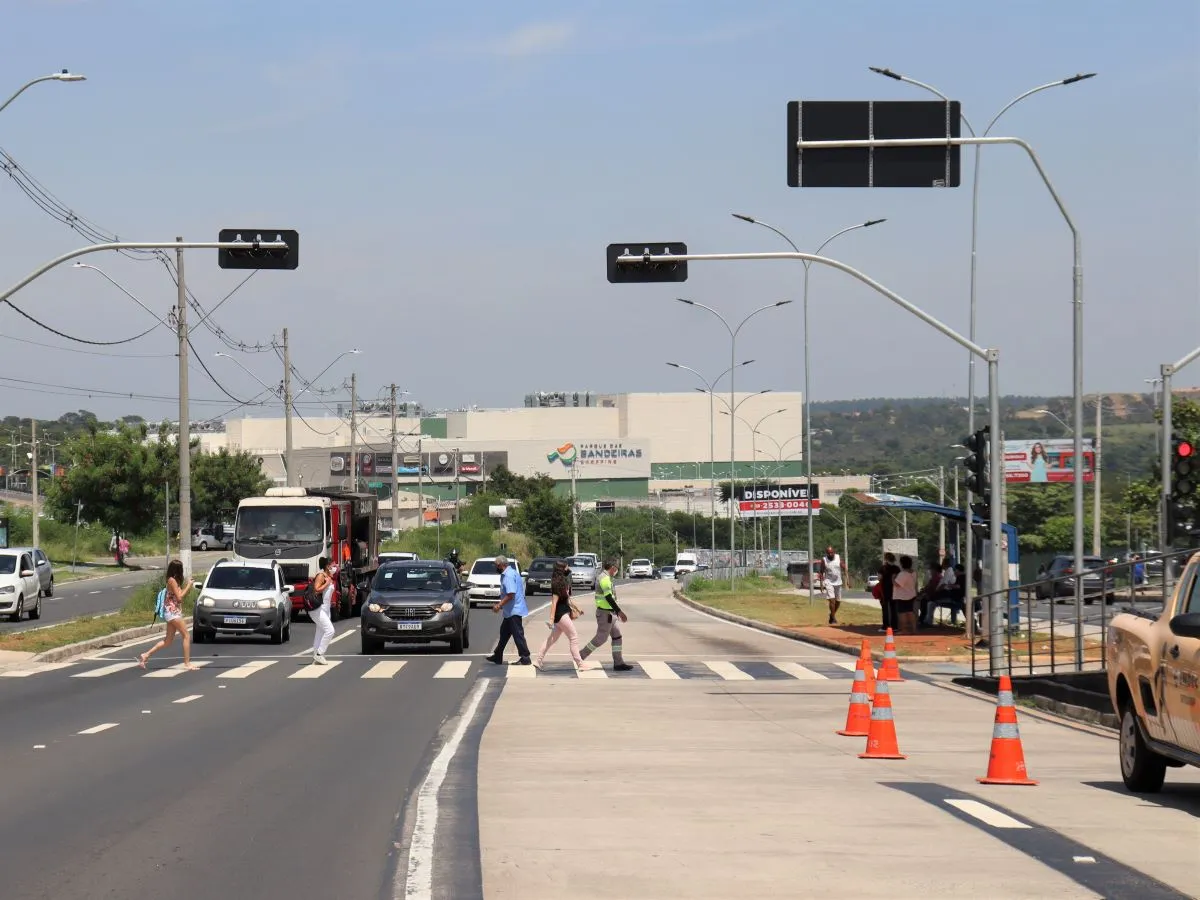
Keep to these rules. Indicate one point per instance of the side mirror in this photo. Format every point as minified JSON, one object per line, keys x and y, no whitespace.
{"x":26,"y":573}
{"x":289,"y":588}
{"x":1186,"y":625}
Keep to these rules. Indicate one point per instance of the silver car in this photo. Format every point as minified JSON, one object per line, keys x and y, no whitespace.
{"x":243,"y":597}
{"x":584,"y":572}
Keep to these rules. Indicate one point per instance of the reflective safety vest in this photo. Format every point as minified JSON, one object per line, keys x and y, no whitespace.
{"x":603,"y":589}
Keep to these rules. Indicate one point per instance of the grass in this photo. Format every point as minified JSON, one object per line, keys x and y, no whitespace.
{"x":138,"y":610}
{"x":774,"y":601}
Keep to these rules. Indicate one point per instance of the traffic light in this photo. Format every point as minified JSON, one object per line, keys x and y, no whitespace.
{"x":978,"y":480}
{"x":639,"y":272}
{"x":252,"y":258}
{"x":1183,"y":502}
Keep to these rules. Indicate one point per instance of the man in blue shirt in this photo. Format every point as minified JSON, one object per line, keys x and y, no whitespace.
{"x":512,"y":605}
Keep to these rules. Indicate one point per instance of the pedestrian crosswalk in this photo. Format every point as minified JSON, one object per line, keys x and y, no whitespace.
{"x":389,"y":670}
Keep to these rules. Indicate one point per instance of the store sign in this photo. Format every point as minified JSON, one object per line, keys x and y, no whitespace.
{"x":770,"y":500}
{"x":598,"y":453}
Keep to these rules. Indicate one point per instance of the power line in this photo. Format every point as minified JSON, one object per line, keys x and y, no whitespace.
{"x":104,"y":392}
{"x":9,"y":337}
{"x":78,"y":340}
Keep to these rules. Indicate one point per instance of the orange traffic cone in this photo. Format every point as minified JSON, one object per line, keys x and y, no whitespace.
{"x":881,"y":737}
{"x":868,"y":666}
{"x":858,"y":717}
{"x":1006,"y":762}
{"x":889,"y":670}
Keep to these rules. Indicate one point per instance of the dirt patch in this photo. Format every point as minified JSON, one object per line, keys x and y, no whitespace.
{"x":928,"y":642}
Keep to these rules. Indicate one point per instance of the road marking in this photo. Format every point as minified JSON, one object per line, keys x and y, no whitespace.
{"x":248,"y":669}
{"x":175,"y":670}
{"x":657,"y":669}
{"x":798,"y":671}
{"x":39,"y":746}
{"x":95,"y":592}
{"x":597,"y":672}
{"x":848,"y":666}
{"x":418,"y":884}
{"x":105,"y":670}
{"x":188,"y":699}
{"x":1084,"y":859}
{"x":383,"y":670}
{"x":314,"y":671}
{"x":145,"y":712}
{"x":454,"y":669}
{"x":729,"y":671}
{"x":34,"y":669}
{"x":986,"y":814}
{"x":349,"y":632}
{"x":96,"y":729}
{"x":515,"y":671}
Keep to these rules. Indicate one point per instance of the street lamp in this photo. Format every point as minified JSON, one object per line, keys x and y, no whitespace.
{"x":1080,"y":468}
{"x":64,"y":75}
{"x":753,"y":454}
{"x":166,"y":324}
{"x":779,"y":448}
{"x":807,"y":424}
{"x":733,"y":333}
{"x":712,"y":453}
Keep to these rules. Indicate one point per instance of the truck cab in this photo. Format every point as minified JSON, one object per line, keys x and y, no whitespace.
{"x":1154,"y":684}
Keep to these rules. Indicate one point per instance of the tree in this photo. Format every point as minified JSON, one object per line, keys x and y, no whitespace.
{"x":220,"y":480}
{"x":546,"y":518}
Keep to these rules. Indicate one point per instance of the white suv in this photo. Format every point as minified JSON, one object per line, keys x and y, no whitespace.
{"x":242,"y":597}
{"x":20,"y":590}
{"x":640,"y":568}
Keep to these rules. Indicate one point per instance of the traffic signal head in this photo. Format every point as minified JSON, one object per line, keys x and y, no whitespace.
{"x":639,"y":271}
{"x":977,"y":462}
{"x":1184,"y":469}
{"x":253,"y":258}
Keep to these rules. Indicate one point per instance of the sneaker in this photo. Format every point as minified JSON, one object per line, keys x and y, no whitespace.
{"x":320,"y":660}
{"x":622,"y":667}
{"x":831,"y":622}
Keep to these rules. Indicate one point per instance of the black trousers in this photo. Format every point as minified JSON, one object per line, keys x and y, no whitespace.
{"x":512,"y":627}
{"x":891,"y":617}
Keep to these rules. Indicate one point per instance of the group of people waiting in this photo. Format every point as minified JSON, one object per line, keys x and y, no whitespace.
{"x":905,"y":606}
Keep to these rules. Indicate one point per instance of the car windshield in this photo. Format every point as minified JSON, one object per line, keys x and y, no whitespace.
{"x":579,"y":561}
{"x":484,"y":567}
{"x":8,"y":564}
{"x":640,"y":562}
{"x":412,"y":578}
{"x":241,"y":578}
{"x":280,"y":524}
{"x":542,"y":565}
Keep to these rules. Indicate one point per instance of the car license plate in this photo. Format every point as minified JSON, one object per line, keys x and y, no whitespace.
{"x":408,"y":626}
{"x":235,"y":620}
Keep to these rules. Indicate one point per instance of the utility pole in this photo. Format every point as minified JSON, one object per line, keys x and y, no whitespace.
{"x":1096,"y":482}
{"x":942,"y":503}
{"x":288,"y":457}
{"x":420,"y":482}
{"x":395,"y":472}
{"x":185,"y":429}
{"x":575,"y":507}
{"x":353,"y":431}
{"x":33,"y":456}
{"x":456,"y":487}
{"x":166,"y":521}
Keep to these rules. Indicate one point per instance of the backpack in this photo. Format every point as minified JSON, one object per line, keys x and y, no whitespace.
{"x":160,"y":605}
{"x":310,"y":599}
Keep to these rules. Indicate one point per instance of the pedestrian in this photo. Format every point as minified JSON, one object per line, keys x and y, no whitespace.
{"x":887,"y":574}
{"x":832,"y":578}
{"x":123,"y":550}
{"x":512,"y":605}
{"x":609,"y":619}
{"x":904,"y":592}
{"x":562,"y":618}
{"x":323,"y":585}
{"x":173,"y":616}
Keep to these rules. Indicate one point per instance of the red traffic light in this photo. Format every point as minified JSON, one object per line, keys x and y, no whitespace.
{"x":1184,"y":449}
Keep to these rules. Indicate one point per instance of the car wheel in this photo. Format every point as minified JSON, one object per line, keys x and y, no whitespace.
{"x":36,"y":612}
{"x":467,"y":632}
{"x":1142,"y":770}
{"x":287,"y":629}
{"x":50,"y":590}
{"x":371,"y":645}
{"x":203,"y":546}
{"x":198,"y":636}
{"x":16,"y":614}
{"x":277,"y":633}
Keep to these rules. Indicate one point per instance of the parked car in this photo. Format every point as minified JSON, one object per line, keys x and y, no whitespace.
{"x":397,"y":556}
{"x":20,"y":589}
{"x":872,"y":580}
{"x":44,"y":570}
{"x":538,"y":576}
{"x":417,"y":601}
{"x":242,"y":597}
{"x":667,"y":572}
{"x":203,"y":538}
{"x":584,"y":571}
{"x":640,"y":568}
{"x":686,"y":562}
{"x":1097,"y":579}
{"x":483,"y":582}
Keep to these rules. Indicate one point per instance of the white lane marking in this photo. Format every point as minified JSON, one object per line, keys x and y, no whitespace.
{"x":383,"y":670}
{"x":454,"y":669}
{"x":105,"y":670}
{"x":656,"y":669}
{"x":798,"y":671}
{"x":248,"y":669}
{"x":986,"y":814}
{"x":848,"y":666}
{"x":145,"y":712}
{"x":729,"y":671}
{"x":418,"y":881}
{"x":521,"y":671}
{"x":175,"y":670}
{"x":188,"y":699}
{"x":1084,"y":859}
{"x":349,"y":632}
{"x":39,"y":746}
{"x":95,"y":592}
{"x":96,"y":729}
{"x":34,"y":669}
{"x":314,"y":671}
{"x":597,"y":672}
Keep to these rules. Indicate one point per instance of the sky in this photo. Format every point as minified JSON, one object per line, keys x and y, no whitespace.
{"x":455,"y":172}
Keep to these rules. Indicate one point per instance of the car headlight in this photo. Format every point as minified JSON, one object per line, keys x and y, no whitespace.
{"x":7,"y":589}
{"x":207,"y":601}
{"x":374,"y":607}
{"x":446,"y":607}
{"x":266,"y":603}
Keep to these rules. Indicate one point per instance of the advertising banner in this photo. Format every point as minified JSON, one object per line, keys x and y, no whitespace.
{"x":1046,"y":462}
{"x":599,"y":459}
{"x":770,"y":500}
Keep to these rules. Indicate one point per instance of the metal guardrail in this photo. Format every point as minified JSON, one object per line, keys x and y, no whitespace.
{"x":1041,"y":615}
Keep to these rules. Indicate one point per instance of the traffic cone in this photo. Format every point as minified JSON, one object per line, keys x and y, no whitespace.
{"x":889,"y":669}
{"x":881,"y":736}
{"x":858,"y":717}
{"x":868,"y":665}
{"x":1006,"y":762}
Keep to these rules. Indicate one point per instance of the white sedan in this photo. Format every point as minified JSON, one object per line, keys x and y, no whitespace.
{"x":640,"y":568}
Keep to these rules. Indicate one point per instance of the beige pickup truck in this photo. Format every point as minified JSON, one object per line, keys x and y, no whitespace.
{"x":1154,"y":683}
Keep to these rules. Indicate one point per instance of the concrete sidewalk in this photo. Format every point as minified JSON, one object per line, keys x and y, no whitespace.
{"x":649,"y":790}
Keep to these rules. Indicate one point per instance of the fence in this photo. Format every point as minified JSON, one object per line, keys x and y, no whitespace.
{"x":1043,"y":633}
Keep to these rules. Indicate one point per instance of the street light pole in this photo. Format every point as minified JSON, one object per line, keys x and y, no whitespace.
{"x":185,"y":429}
{"x":354,"y":431}
{"x":807,"y":423}
{"x":33,"y":455}
{"x":64,"y":75}
{"x":289,"y":458}
{"x":395,"y":472}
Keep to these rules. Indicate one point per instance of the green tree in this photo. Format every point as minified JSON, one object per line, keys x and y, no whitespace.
{"x":546,"y":518}
{"x":220,"y":480}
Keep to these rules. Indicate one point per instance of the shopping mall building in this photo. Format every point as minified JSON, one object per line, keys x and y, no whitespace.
{"x":632,"y":449}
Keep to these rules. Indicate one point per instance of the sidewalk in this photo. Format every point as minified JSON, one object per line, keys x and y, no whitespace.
{"x":655,"y":790}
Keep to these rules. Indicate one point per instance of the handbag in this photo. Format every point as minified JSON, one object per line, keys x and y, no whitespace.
{"x":576,"y":612}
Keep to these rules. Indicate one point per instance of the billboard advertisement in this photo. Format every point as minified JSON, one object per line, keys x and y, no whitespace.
{"x":770,"y":500}
{"x":600,"y":459}
{"x":1046,"y":462}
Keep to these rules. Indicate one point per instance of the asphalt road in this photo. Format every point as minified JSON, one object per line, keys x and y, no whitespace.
{"x":94,"y":596}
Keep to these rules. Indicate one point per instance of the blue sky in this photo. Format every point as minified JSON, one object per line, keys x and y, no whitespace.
{"x":456,"y":172}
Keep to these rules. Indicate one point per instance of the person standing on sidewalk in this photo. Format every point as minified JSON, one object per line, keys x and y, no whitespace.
{"x":832,"y":578}
{"x":887,"y":572}
{"x":173,"y":616}
{"x":323,"y":585}
{"x":512,"y":604}
{"x":607,"y":615}
{"x":562,"y":618}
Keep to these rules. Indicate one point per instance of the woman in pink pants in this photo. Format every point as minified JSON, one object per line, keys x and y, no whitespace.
{"x":560,"y":619}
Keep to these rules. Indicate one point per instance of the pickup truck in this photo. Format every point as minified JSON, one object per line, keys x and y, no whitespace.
{"x":1154,"y":683}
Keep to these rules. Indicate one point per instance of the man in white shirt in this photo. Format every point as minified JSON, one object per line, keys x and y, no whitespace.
{"x":832,"y":577}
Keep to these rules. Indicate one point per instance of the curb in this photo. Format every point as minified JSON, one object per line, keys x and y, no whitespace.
{"x":801,"y":638}
{"x":58,"y":654}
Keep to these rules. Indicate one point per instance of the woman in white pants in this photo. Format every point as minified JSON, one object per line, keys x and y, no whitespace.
{"x":323,"y":585}
{"x":560,"y":619}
